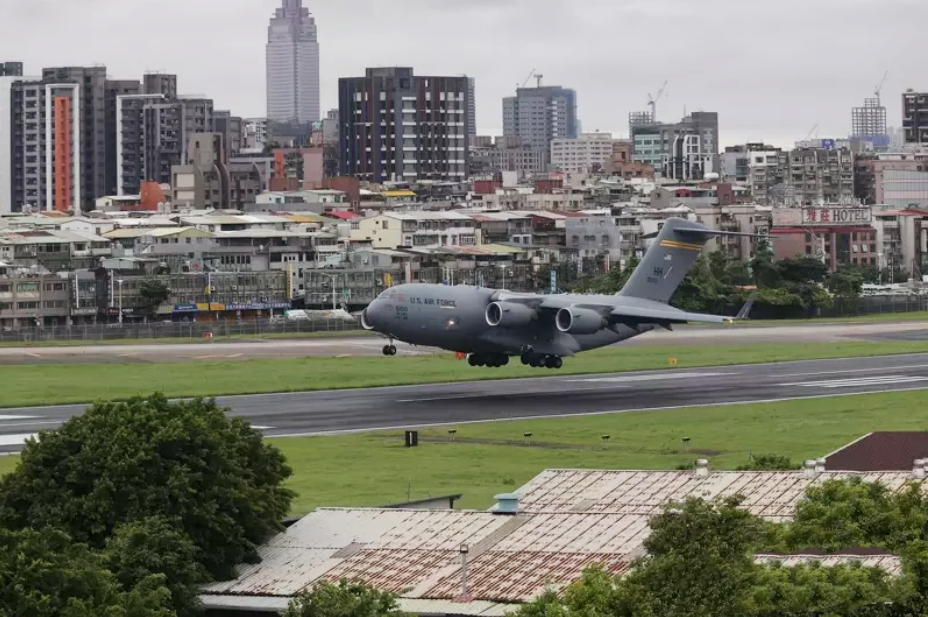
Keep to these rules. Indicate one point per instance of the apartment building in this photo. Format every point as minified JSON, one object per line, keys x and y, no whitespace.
{"x":11,"y":69}
{"x":915,"y":116}
{"x":32,"y":297}
{"x":397,"y":126}
{"x":538,"y":116}
{"x":683,"y":151}
{"x":115,"y":89}
{"x":415,"y":229}
{"x":54,"y":250}
{"x":168,"y":127}
{"x":231,"y":129}
{"x":210,"y":180}
{"x":902,"y":241}
{"x":588,"y":153}
{"x":819,"y":173}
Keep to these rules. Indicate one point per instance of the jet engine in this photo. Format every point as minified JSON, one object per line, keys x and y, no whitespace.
{"x":579,"y":321}
{"x":509,"y":315}
{"x":364,"y":322}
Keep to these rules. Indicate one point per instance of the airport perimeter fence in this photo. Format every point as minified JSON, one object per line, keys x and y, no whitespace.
{"x":179,"y":330}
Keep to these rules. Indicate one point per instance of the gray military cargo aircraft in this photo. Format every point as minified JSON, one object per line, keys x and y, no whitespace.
{"x":492,"y":325}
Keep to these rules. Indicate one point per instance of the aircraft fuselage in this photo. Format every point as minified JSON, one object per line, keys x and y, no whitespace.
{"x":454,"y":318}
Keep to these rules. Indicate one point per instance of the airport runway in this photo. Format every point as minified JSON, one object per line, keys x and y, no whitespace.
{"x":549,"y":395}
{"x":371,"y":345}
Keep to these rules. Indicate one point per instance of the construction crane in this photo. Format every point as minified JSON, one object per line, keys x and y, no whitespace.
{"x":879,"y":88}
{"x":652,"y":101}
{"x":528,"y":79}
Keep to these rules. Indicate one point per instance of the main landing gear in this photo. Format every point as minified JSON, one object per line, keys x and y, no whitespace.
{"x":542,"y":361}
{"x":491,"y":360}
{"x":389,"y":350}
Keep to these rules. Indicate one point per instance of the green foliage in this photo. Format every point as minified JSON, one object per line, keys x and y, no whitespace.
{"x":44,"y":574}
{"x":769,"y":462}
{"x":153,"y":293}
{"x":137,"y":551}
{"x":346,"y":599}
{"x":125,"y":462}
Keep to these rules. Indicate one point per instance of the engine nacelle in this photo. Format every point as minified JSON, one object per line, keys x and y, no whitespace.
{"x":509,"y":315}
{"x":579,"y":321}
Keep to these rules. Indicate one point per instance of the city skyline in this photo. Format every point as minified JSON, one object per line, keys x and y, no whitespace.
{"x":763,"y":88}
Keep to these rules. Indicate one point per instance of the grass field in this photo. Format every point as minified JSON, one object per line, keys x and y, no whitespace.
{"x":485,"y":459}
{"x":40,"y":384}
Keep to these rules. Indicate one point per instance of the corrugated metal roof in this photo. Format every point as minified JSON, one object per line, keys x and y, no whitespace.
{"x":770,"y":494}
{"x":889,"y":563}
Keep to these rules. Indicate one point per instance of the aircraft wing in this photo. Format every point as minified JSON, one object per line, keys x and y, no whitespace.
{"x":631,"y":314}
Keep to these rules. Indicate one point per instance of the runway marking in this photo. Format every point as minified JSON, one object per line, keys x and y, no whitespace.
{"x":854,"y":370}
{"x":591,"y":413}
{"x":262,"y":428}
{"x":5,"y":418}
{"x":459,"y":397}
{"x":128,"y":355}
{"x":237,"y":355}
{"x":14,"y":440}
{"x":858,"y":382}
{"x":662,"y":376}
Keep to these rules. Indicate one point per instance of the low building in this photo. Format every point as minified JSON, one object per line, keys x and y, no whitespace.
{"x":588,"y":153}
{"x":32,"y":297}
{"x":902,"y":240}
{"x":834,"y":234}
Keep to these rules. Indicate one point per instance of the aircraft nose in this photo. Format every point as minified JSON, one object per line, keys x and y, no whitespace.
{"x":372,"y":318}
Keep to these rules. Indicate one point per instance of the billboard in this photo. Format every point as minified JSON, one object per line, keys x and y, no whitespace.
{"x":836,"y":216}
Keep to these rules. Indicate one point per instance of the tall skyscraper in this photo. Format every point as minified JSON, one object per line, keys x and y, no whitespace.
{"x":396,"y":126}
{"x":537,"y":116}
{"x":293,"y":65}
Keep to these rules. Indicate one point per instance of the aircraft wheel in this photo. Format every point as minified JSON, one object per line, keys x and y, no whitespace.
{"x":387,"y":350}
{"x":481,"y":361}
{"x":492,"y":362}
{"x":392,"y":350}
{"x":558,"y":363}
{"x":505,"y":360}
{"x":472,"y":360}
{"x":526,"y":359}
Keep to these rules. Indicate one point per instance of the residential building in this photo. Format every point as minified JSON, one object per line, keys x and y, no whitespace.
{"x":160,"y":83}
{"x":589,"y":153}
{"x":915,"y":116}
{"x":683,"y":151}
{"x":897,"y":179}
{"x":415,"y":230}
{"x":169,"y":125}
{"x":594,"y":234}
{"x":129,"y":170}
{"x":397,"y":126}
{"x":231,"y":129}
{"x":471,"y":107}
{"x":209,"y":180}
{"x":819,"y":172}
{"x":256,"y":135}
{"x":537,"y":116}
{"x":114,"y":137}
{"x":293,"y":65}
{"x":11,"y":69}
{"x":90,"y":87}
{"x":32,"y":297}
{"x":902,"y":241}
{"x":742,"y":218}
{"x":55,"y":250}
{"x":509,"y":154}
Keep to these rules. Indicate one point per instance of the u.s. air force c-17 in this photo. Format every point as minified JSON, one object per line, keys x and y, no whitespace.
{"x":491,"y":325}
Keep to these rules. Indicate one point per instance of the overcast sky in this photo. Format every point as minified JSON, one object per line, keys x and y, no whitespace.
{"x":772,"y":69}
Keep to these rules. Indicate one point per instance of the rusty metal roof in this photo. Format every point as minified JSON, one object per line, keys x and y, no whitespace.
{"x":568,"y":520}
{"x":770,"y":494}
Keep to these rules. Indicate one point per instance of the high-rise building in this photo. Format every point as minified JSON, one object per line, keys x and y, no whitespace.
{"x":231,"y":128}
{"x":396,"y":126}
{"x":11,"y":69}
{"x":293,"y":65}
{"x":915,"y":116}
{"x":868,"y":123}
{"x":89,"y":83}
{"x":114,"y":90}
{"x":471,"y":106}
{"x":168,"y":125}
{"x":540,"y":115}
{"x":686,"y":150}
{"x":130,"y":168}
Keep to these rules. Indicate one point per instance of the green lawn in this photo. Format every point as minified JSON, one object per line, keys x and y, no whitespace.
{"x":198,"y":341}
{"x":485,"y":459}
{"x":376,"y":469}
{"x":48,"y":384}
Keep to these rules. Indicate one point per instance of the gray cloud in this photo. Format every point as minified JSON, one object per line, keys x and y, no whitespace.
{"x":771,"y":69}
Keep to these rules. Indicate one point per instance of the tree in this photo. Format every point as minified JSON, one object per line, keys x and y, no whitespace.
{"x":44,"y":574}
{"x":345,"y":599}
{"x":155,"y":547}
{"x":124,"y":462}
{"x":769,"y":462}
{"x":153,"y":293}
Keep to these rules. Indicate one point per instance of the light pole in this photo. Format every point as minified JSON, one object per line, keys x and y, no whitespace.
{"x":120,"y":281}
{"x":334,"y":279}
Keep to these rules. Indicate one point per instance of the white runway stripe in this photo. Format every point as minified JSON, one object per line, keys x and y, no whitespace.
{"x":5,"y":418}
{"x":659,"y":377}
{"x":858,"y":382}
{"x":14,"y":440}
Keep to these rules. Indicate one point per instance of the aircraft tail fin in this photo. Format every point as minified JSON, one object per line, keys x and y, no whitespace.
{"x":676,"y":247}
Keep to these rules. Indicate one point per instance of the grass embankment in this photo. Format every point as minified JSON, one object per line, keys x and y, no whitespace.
{"x":41,"y":384}
{"x":485,"y":459}
{"x":376,"y":469}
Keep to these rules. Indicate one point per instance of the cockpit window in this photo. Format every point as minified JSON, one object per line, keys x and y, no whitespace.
{"x":386,"y":293}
